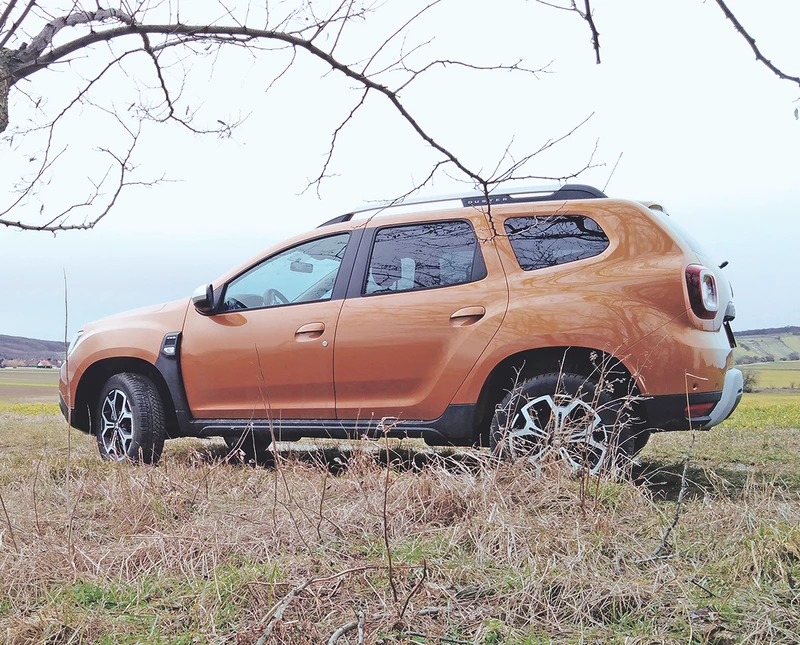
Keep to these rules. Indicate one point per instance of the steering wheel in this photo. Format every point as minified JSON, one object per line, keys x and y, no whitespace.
{"x":231,"y":304}
{"x":274,"y":297}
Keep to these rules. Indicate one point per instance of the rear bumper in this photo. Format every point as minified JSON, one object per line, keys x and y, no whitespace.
{"x":668,"y":413}
{"x":731,"y":395}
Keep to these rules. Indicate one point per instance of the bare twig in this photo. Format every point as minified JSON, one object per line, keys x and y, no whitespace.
{"x":414,"y":590}
{"x":752,"y":42}
{"x":684,"y":480}
{"x":587,"y":16}
{"x":276,"y":613}
{"x":69,"y":424}
{"x":344,"y":629}
{"x":8,"y":521}
{"x":385,"y":427}
{"x":608,"y":181}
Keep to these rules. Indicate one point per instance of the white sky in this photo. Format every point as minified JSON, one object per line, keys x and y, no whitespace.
{"x":703,"y":128}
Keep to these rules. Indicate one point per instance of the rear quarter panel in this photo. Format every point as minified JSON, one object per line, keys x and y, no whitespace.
{"x":612,"y":302}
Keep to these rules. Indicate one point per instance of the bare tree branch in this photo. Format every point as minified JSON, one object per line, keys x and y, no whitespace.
{"x":752,"y":42}
{"x":6,"y":13}
{"x":115,"y":24}
{"x":17,"y":22}
{"x":69,"y":38}
{"x":586,"y":15}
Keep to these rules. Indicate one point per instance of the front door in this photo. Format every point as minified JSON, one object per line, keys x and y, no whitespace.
{"x":268,"y":351}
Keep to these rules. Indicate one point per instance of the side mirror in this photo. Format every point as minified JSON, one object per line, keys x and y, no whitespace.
{"x":203,"y":299}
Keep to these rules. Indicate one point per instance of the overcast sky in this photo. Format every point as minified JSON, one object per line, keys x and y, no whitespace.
{"x":701,"y":126}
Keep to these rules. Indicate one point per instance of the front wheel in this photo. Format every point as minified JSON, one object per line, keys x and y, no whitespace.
{"x":563,"y":417}
{"x":130,"y":424}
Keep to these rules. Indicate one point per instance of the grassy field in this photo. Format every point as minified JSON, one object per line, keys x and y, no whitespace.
{"x":781,"y":374}
{"x":28,"y":384}
{"x":445,"y":548}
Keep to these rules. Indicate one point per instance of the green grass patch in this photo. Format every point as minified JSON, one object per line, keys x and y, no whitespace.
{"x":783,"y":374}
{"x":30,"y":409}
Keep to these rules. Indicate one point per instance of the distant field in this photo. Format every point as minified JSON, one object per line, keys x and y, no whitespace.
{"x":29,"y":385}
{"x":776,"y":345}
{"x":782,"y":374}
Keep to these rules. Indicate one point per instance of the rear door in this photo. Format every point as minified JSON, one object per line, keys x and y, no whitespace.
{"x":424,"y":302}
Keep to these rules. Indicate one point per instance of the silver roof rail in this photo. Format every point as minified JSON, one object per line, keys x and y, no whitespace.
{"x":498,"y":195}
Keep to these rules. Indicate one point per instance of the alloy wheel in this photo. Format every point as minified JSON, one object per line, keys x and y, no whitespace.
{"x":560,"y":426}
{"x":116,"y":417}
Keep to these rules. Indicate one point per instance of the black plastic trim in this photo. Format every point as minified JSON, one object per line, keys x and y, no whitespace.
{"x":346,"y":267}
{"x":169,"y":366}
{"x":667,"y":413}
{"x":455,"y":427}
{"x":729,"y":334}
{"x":63,"y":407}
{"x":337,"y":220}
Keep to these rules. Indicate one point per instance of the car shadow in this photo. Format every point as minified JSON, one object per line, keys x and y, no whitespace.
{"x":662,"y":480}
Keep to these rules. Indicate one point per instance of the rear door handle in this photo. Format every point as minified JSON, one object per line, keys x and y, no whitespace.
{"x":468,"y":315}
{"x":310,"y":331}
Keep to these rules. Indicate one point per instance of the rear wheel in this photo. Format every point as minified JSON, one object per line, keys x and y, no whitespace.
{"x":562,"y":417}
{"x":129,"y":423}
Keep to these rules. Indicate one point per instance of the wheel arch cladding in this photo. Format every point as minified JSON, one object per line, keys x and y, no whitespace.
{"x":95,"y":377}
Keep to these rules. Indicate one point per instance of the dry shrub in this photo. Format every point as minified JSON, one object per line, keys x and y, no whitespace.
{"x":201,"y":550}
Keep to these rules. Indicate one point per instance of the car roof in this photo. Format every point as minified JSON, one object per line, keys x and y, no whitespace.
{"x":498,"y":196}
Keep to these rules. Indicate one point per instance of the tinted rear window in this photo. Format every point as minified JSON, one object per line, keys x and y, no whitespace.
{"x":540,"y":242}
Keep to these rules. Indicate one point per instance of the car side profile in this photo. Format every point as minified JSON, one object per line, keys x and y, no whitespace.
{"x":545,"y":324}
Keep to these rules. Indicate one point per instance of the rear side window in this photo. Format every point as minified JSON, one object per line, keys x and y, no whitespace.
{"x":540,"y":242}
{"x":424,"y":256}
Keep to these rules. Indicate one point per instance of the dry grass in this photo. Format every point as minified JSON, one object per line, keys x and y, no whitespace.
{"x":203,"y":551}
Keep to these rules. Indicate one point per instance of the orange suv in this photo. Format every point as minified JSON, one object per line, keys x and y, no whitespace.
{"x":557,"y":324}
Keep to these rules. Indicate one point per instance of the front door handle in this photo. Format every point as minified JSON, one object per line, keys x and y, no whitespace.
{"x":468,"y":315}
{"x":310,"y":331}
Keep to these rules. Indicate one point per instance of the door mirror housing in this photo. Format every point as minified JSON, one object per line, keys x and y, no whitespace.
{"x":203,"y":299}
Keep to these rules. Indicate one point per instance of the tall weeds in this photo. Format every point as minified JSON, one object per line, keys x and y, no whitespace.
{"x":480,"y":552}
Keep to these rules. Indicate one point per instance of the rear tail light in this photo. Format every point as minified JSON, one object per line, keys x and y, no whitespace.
{"x":703,"y":294}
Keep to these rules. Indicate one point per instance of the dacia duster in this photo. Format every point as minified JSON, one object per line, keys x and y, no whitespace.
{"x":558,"y":324}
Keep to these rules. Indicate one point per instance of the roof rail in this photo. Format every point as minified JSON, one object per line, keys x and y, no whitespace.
{"x":512,"y":195}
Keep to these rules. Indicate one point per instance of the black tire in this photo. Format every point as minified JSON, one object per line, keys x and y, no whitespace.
{"x":250,"y":449}
{"x":563,"y":417}
{"x":129,"y":422}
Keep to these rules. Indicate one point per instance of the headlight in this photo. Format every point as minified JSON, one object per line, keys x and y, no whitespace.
{"x":74,"y":343}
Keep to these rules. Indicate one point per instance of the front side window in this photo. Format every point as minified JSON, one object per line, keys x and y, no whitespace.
{"x":304,"y":273}
{"x":424,"y":256}
{"x":540,"y":242}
